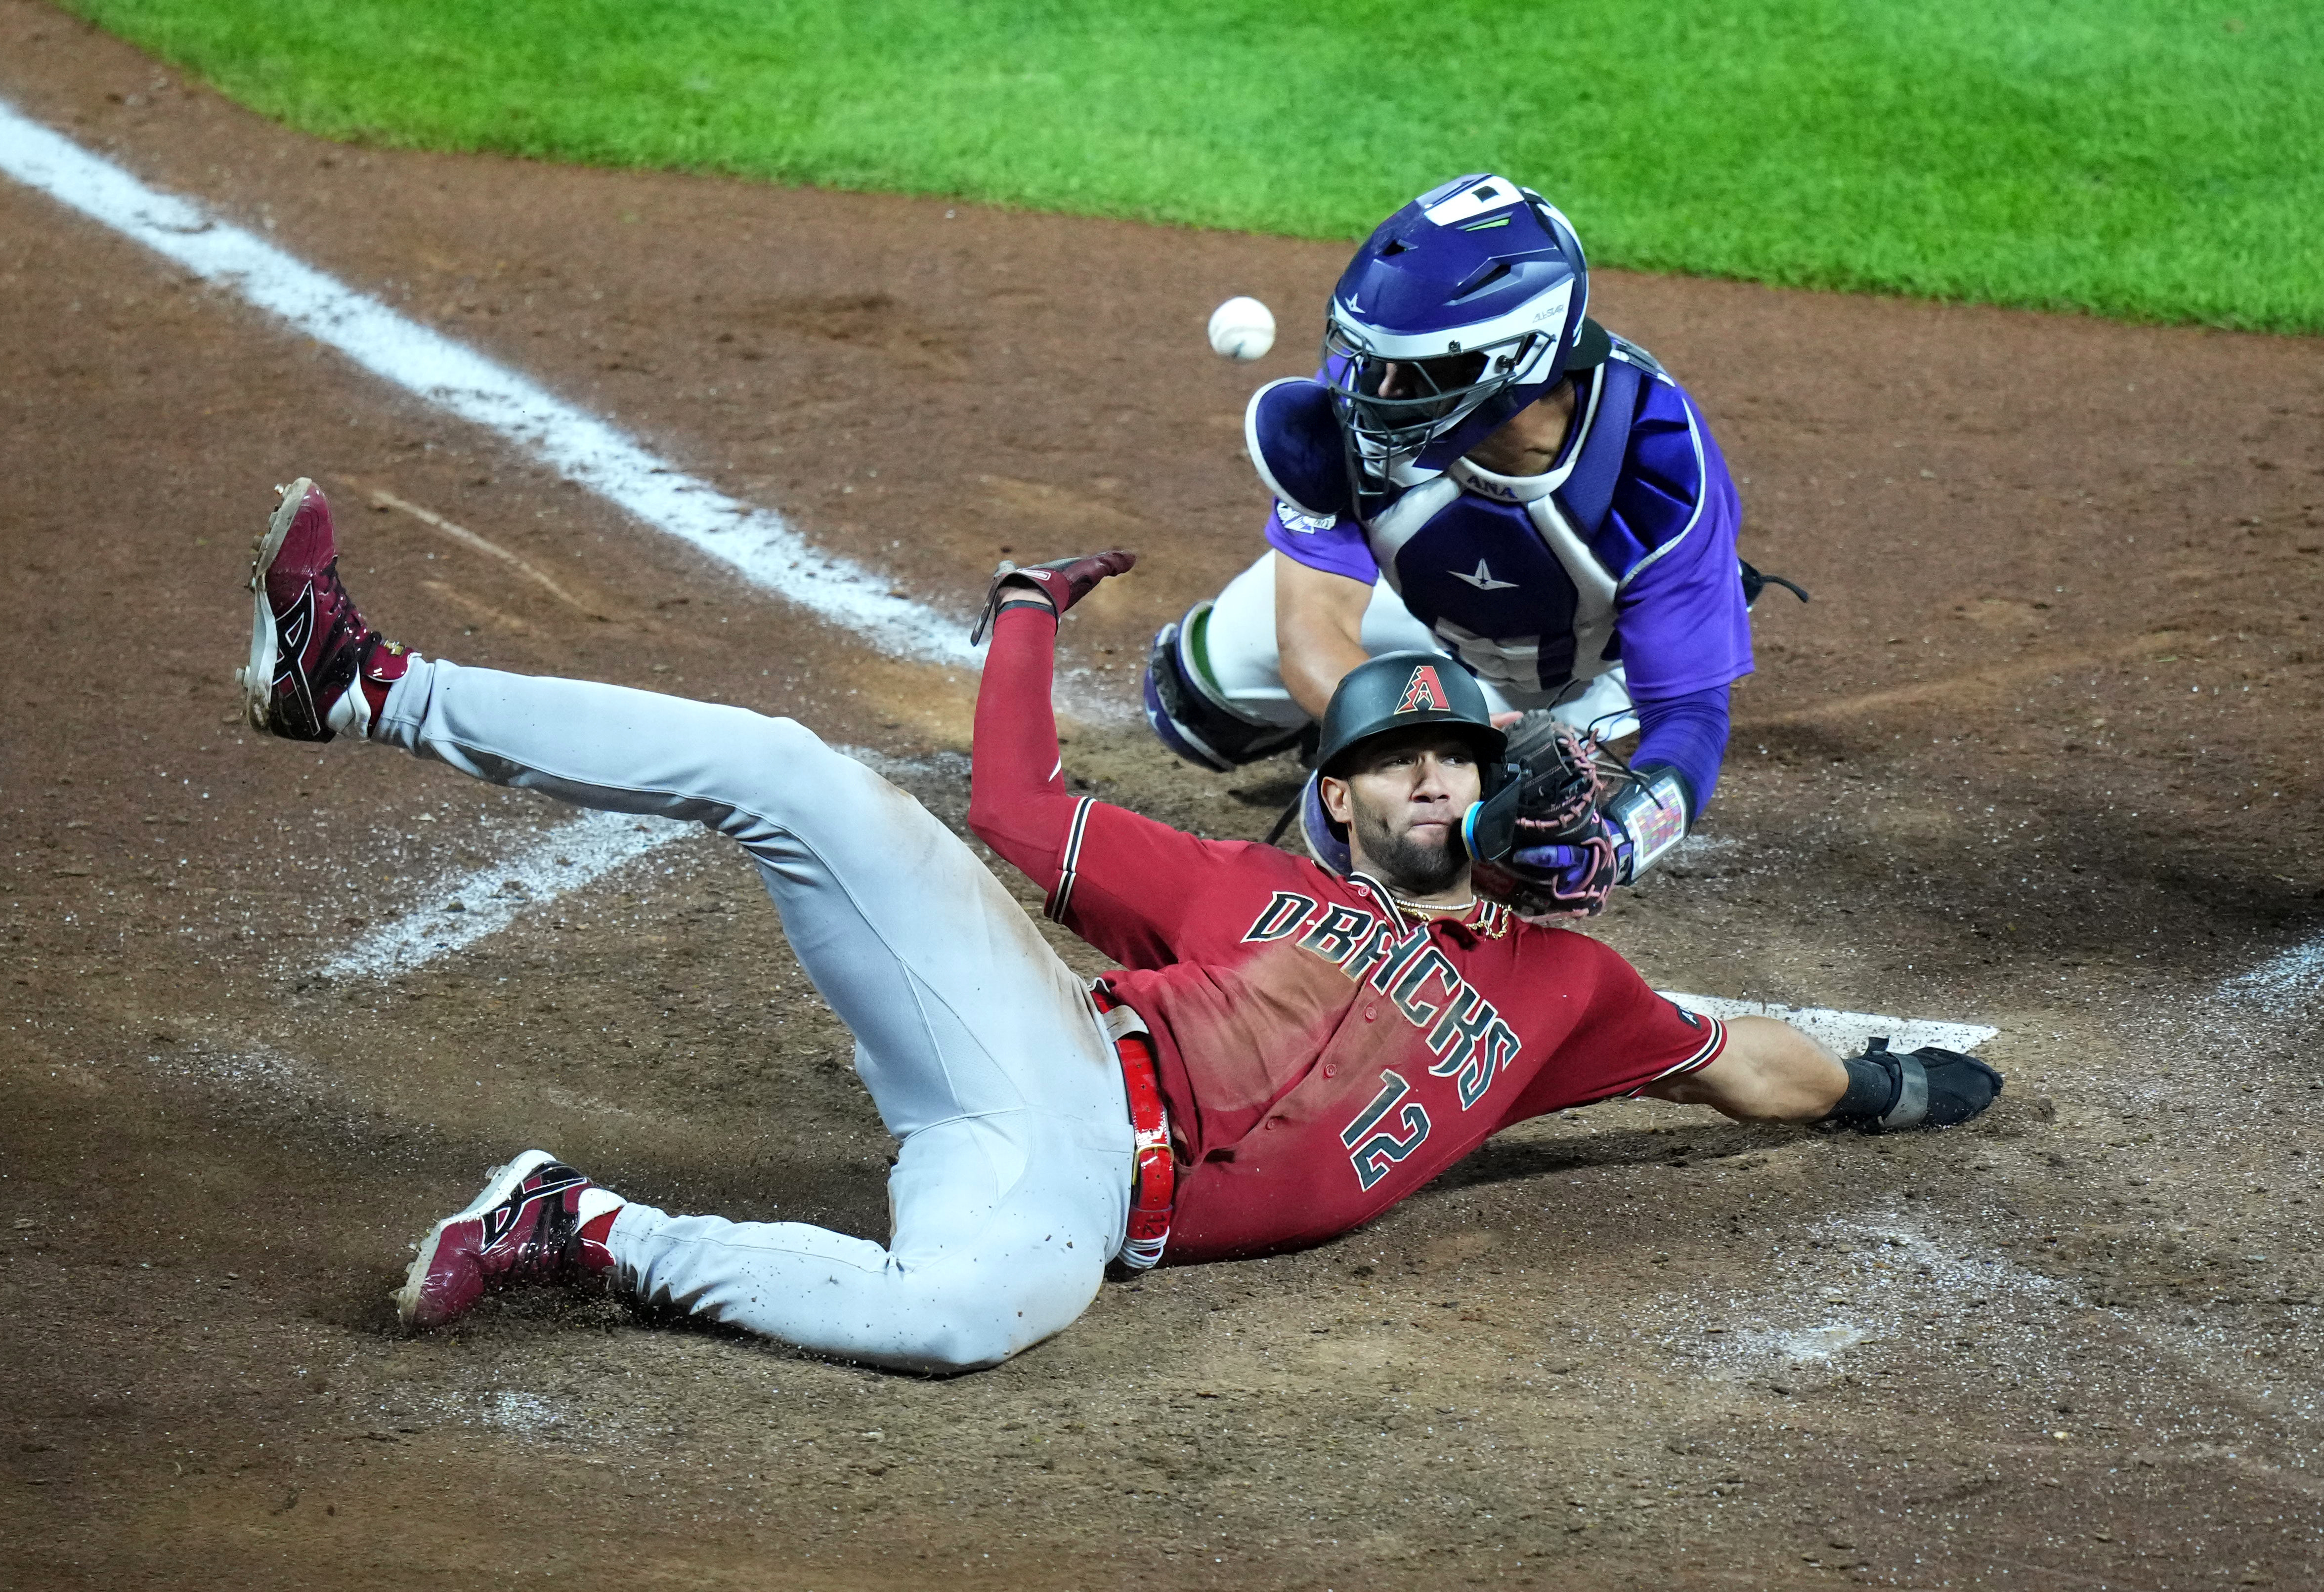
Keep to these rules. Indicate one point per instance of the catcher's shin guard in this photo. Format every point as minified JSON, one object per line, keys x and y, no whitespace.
{"x":1186,"y":716}
{"x":1889,"y":1092}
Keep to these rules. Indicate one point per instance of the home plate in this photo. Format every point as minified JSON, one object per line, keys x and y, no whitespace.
{"x":1845,"y":1032}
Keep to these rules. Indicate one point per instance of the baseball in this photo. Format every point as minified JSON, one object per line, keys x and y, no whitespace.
{"x":1241,"y":328}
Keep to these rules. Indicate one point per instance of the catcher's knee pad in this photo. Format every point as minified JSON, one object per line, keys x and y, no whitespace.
{"x":1185,"y":713}
{"x":1888,"y":1093}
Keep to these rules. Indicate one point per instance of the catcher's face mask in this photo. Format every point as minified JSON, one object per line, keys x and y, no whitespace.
{"x":1461,"y":309}
{"x":1391,"y":410}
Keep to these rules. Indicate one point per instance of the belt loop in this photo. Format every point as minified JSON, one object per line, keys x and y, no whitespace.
{"x":1153,"y":1188}
{"x":1120,"y":1022}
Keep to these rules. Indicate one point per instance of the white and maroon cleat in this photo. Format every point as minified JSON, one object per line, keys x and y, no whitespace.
{"x":315,"y":669}
{"x":538,"y":1220}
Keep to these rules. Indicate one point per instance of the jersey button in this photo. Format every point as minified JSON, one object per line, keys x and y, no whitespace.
{"x":1331,"y":1068}
{"x":1370,"y":1012}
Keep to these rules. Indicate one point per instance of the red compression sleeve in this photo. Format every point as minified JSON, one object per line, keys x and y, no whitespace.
{"x":1017,"y":802}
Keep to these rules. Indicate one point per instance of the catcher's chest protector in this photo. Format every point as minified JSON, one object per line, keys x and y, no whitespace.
{"x":1507,"y":571}
{"x":1518,"y":576}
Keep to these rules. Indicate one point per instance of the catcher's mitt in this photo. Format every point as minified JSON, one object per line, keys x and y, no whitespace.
{"x":1539,"y":844}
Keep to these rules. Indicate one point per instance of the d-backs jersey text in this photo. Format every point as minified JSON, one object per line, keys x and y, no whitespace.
{"x":1323,"y":1050}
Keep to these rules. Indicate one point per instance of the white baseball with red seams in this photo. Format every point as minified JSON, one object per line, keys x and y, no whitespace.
{"x":1242,"y":328}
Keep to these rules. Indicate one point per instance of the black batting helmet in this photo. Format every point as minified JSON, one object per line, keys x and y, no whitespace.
{"x":1399,"y":691}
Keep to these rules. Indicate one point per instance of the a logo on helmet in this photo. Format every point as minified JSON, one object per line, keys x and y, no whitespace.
{"x":1422,"y":692}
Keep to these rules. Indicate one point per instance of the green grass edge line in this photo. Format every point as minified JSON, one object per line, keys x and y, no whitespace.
{"x":2059,"y":162}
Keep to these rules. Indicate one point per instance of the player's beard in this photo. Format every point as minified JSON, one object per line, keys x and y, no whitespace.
{"x":1405,"y":864}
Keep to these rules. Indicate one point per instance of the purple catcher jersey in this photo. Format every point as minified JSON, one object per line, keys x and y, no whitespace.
{"x":1623,"y":552}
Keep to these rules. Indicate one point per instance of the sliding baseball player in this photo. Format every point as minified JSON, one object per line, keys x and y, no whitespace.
{"x":1282,"y":1052}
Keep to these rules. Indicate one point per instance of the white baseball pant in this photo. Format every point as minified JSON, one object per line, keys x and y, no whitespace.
{"x":980,"y":1047}
{"x":1238,"y":643}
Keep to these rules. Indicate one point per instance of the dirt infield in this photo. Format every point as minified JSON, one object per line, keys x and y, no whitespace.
{"x":2042,"y":753}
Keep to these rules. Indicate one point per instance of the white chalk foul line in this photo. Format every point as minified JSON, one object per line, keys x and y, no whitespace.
{"x":1845,"y":1032}
{"x":564,"y":859}
{"x":567,"y":858}
{"x":755,"y":542}
{"x":2283,"y":983}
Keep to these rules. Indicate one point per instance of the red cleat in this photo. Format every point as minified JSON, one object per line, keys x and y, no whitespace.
{"x":538,"y":1220}
{"x":308,"y":643}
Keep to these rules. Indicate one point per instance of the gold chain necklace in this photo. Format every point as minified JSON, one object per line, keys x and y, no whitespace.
{"x":1441,"y":907}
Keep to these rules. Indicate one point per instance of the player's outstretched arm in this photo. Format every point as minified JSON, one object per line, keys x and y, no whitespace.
{"x":1017,"y":801}
{"x":1770,"y":1071}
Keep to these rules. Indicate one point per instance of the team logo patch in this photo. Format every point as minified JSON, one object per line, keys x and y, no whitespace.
{"x":292,"y":631}
{"x":1424,"y":692}
{"x":1484,"y":580}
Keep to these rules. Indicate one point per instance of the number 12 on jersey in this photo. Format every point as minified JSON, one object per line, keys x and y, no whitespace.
{"x":1373,"y":1153}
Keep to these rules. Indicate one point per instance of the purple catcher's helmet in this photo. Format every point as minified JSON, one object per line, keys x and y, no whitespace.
{"x":1463,"y":308}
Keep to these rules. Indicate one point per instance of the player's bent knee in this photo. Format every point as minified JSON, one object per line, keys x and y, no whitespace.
{"x":956,"y":1353}
{"x":780,"y":737}
{"x":1188,"y":716}
{"x":787,"y":752}
{"x":941,"y":1346}
{"x":972,"y":1317}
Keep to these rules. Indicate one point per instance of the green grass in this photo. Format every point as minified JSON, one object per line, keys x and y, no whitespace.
{"x":2144,"y":159}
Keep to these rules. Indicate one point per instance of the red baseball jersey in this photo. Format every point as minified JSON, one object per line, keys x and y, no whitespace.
{"x":1323,"y":1049}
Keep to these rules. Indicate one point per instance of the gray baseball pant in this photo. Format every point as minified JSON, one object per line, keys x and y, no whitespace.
{"x":982,"y":1050}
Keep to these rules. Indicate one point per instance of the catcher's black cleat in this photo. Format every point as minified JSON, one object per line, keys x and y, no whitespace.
{"x":1888,"y":1093}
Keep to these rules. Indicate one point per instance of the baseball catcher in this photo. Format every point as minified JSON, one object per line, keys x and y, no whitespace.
{"x":1479,"y":469}
{"x":1283,"y":1052}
